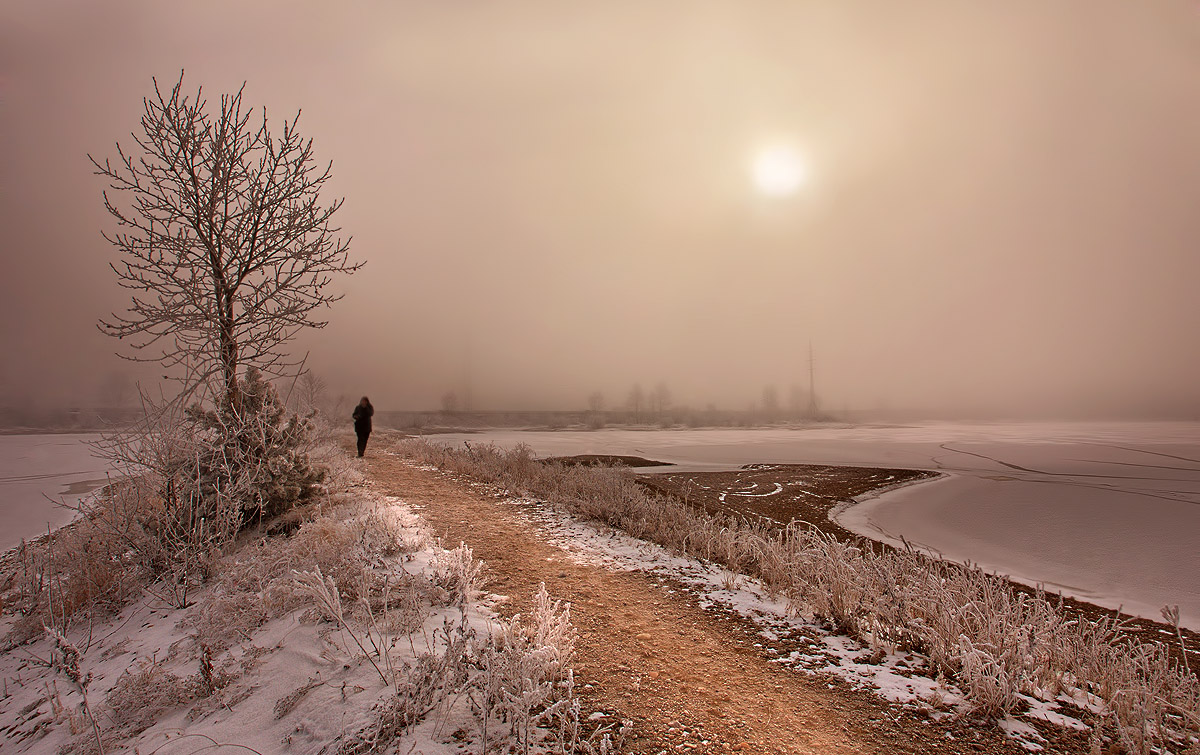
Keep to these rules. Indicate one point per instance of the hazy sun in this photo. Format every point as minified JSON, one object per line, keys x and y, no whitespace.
{"x":778,"y":170}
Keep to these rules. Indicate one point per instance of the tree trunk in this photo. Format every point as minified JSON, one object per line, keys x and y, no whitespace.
{"x":229,"y":369}
{"x":229,"y":354}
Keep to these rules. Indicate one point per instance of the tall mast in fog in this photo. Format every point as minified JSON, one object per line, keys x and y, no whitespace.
{"x":812,"y":387}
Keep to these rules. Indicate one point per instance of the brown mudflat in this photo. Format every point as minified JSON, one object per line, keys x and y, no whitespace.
{"x":606,"y":460}
{"x":781,"y":493}
{"x":691,"y":681}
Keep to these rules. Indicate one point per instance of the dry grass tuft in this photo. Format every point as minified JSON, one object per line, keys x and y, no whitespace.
{"x":141,"y":696}
{"x":517,"y":679}
{"x":343,"y":542}
{"x":80,"y":574}
{"x":129,"y":539}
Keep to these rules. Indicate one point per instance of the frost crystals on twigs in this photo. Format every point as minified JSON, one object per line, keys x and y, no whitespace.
{"x":224,"y":241}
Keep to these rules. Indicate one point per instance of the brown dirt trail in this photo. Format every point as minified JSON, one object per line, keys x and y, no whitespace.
{"x":690,"y":681}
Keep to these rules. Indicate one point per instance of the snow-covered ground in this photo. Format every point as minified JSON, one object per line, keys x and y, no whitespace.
{"x":38,"y":471}
{"x":250,"y":666}
{"x":1108,"y":512}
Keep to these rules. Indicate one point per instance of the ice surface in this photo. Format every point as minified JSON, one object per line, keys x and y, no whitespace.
{"x":1108,"y":512}
{"x":35,"y":472}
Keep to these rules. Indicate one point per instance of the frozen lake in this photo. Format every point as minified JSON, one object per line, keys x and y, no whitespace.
{"x":35,"y":472}
{"x":1107,"y":512}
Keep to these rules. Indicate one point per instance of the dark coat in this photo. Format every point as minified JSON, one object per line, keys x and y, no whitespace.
{"x":362,"y":418}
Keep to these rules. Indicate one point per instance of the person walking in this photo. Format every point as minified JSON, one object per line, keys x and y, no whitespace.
{"x":362,"y":423}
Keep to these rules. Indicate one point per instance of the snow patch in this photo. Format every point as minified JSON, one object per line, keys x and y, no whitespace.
{"x":1024,"y":734}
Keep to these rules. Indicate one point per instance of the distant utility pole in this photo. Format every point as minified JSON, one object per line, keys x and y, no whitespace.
{"x":812,"y":386}
{"x":468,"y":402}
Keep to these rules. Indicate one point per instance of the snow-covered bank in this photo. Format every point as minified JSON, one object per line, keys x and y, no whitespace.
{"x":1104,"y":511}
{"x":357,"y":633}
{"x":36,"y":473}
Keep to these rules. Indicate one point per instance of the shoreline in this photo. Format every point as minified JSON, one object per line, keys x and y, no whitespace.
{"x":1146,"y":628}
{"x":856,"y":516}
{"x":852,"y":516}
{"x":869,"y":500}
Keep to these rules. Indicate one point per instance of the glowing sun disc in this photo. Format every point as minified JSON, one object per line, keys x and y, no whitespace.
{"x":778,"y":171}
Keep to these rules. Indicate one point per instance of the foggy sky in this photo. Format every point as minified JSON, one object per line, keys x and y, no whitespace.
{"x":553,"y":198}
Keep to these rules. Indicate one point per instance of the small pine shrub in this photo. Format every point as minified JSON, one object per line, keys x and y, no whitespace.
{"x":255,"y":453}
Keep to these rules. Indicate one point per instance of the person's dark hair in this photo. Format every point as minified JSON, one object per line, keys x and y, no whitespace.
{"x":364,"y":398}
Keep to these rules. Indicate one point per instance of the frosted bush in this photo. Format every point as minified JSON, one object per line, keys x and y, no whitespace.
{"x":516,"y":678}
{"x":457,"y":574}
{"x":254,"y":453}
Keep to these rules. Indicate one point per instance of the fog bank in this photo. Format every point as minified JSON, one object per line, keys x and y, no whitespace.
{"x":555,"y":200}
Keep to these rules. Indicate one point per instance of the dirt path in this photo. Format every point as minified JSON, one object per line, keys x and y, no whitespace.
{"x":690,"y":681}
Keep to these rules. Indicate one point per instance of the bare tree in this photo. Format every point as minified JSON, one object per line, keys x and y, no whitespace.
{"x":797,"y":400}
{"x":596,"y":401}
{"x":223,"y":238}
{"x":310,"y":393}
{"x":770,"y":401}
{"x":595,"y":418}
{"x":660,"y":398}
{"x":115,"y":390}
{"x":636,"y":397}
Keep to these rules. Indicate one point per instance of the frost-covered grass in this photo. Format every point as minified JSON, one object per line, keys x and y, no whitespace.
{"x":1000,"y":646}
{"x":82,"y":573}
{"x":124,"y":542}
{"x":356,"y":633}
